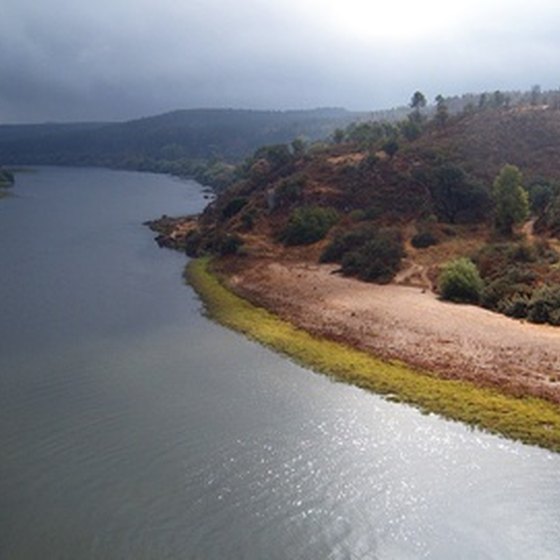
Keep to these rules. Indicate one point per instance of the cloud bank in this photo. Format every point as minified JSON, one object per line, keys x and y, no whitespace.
{"x":119,"y":59}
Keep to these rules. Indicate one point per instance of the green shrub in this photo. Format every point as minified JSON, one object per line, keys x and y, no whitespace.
{"x":460,"y":281}
{"x":193,"y":242}
{"x":308,"y":224}
{"x":227,"y":244}
{"x":516,"y":306}
{"x":545,"y":252}
{"x":523,"y":252}
{"x":357,"y":215}
{"x":290,"y":190}
{"x":378,"y":259}
{"x":540,"y":196}
{"x":513,"y":282}
{"x":345,"y":242}
{"x":544,"y":306}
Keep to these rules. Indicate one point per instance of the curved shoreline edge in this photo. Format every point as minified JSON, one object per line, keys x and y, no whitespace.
{"x":527,"y":419}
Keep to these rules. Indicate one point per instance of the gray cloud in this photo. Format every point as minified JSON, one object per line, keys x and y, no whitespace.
{"x":77,"y":60}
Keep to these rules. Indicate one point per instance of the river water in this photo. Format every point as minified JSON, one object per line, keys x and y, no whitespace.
{"x":131,"y":427}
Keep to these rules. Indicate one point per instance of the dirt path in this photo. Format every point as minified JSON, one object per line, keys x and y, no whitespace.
{"x":414,"y":274}
{"x":409,"y":323}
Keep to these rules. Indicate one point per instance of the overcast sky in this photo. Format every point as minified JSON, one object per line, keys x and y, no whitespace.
{"x":118,"y":59}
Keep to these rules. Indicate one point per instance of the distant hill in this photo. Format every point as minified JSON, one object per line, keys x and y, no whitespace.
{"x":197,"y":134}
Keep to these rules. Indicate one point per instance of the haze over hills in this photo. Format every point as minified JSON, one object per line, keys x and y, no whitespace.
{"x":187,"y":134}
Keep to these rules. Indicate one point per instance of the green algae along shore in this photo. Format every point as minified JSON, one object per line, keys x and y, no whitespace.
{"x":528,"y":419}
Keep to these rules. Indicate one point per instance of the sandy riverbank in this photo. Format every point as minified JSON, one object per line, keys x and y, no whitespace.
{"x":407,"y":323}
{"x":529,"y":419}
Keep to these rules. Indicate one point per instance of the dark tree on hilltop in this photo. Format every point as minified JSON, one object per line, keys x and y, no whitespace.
{"x":442,"y":111}
{"x":536,"y":95}
{"x":418,"y":101}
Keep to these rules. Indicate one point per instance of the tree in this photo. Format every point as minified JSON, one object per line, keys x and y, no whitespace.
{"x":391,"y":147}
{"x":277,"y":155}
{"x":298,"y":147}
{"x":418,"y":101}
{"x":338,"y":136}
{"x":499,"y":99}
{"x":512,"y":203}
{"x":460,"y":281}
{"x":535,"y":95}
{"x":308,"y":224}
{"x":378,"y":259}
{"x":442,"y":112}
{"x":540,"y":196}
{"x":454,"y":195}
{"x":411,"y":127}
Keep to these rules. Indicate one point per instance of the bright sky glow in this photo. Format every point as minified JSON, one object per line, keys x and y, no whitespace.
{"x":400,"y":20}
{"x":115,"y":59}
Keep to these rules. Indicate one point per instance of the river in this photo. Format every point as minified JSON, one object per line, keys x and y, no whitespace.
{"x":132,"y":427}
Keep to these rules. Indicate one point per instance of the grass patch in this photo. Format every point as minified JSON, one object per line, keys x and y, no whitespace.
{"x":527,"y":419}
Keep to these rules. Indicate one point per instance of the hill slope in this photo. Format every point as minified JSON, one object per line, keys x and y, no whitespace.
{"x":527,"y":136}
{"x":189,"y":134}
{"x":401,"y":209}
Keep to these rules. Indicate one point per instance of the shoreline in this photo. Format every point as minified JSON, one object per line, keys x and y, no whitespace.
{"x":529,"y":419}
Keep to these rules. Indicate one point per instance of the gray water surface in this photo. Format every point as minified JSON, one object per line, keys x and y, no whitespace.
{"x":131,"y":427}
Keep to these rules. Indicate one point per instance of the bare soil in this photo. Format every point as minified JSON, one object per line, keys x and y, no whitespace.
{"x":408,"y":323}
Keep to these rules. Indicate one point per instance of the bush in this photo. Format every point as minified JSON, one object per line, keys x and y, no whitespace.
{"x":544,"y":306}
{"x":460,"y":281}
{"x":456,"y":197}
{"x":227,"y":244}
{"x":391,"y":147}
{"x":423,"y":239}
{"x":346,"y":242}
{"x":378,"y":259}
{"x":290,"y":190}
{"x":234,"y":206}
{"x":514,"y":281}
{"x":248,"y":219}
{"x":517,"y":306}
{"x":308,"y":224}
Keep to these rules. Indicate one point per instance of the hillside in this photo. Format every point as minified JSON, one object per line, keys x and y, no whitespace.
{"x":526,"y":136}
{"x":170,"y":142}
{"x":390,"y":208}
